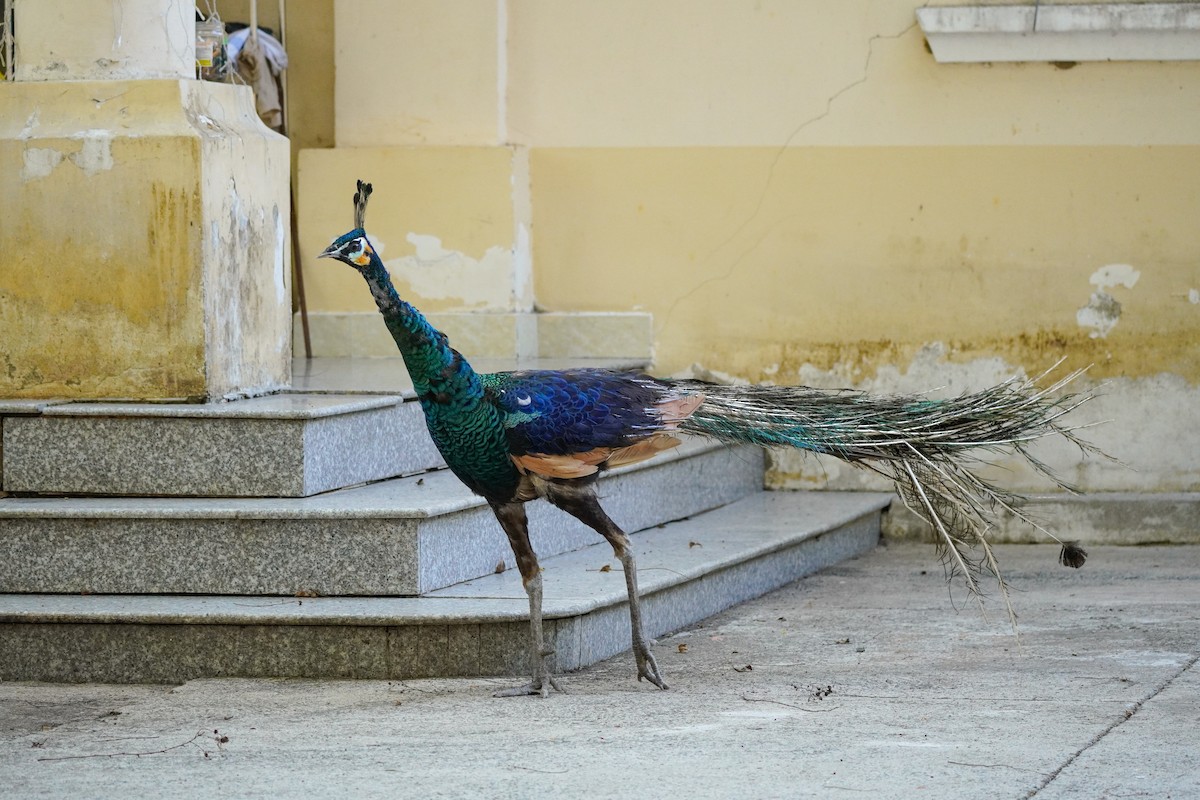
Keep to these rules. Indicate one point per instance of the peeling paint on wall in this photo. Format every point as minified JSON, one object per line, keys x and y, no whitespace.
{"x":31,"y":122}
{"x":435,"y":271}
{"x":1155,"y":454}
{"x":281,"y":290}
{"x":96,"y":154}
{"x":1102,"y":312}
{"x":1115,"y":275}
{"x":39,"y":162}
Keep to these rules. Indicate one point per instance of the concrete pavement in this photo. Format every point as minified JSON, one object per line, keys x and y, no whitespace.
{"x":868,"y":679}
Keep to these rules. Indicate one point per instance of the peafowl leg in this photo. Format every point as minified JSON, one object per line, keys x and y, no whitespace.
{"x":583,"y":505}
{"x":516,"y":526}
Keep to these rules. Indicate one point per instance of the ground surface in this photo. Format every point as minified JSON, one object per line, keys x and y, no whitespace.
{"x":861,"y":681}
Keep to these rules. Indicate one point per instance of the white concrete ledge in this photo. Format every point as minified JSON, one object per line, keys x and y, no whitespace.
{"x":1089,"y":32}
{"x":482,"y":335}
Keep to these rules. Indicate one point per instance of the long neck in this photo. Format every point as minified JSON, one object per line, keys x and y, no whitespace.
{"x":438,"y":371}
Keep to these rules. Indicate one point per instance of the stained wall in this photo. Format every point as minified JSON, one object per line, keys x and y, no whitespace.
{"x":799,"y":192}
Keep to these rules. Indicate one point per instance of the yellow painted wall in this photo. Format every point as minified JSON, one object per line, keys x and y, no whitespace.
{"x":673,"y":73}
{"x":756,"y":262}
{"x":416,"y":72}
{"x":89,"y":304}
{"x":786,"y":183}
{"x":798,"y":192}
{"x":443,"y":219}
{"x":721,"y":73}
{"x":807,"y":174}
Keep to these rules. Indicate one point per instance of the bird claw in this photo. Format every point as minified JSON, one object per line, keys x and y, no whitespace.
{"x":539,"y":686}
{"x":648,"y":667}
{"x":543,"y":681}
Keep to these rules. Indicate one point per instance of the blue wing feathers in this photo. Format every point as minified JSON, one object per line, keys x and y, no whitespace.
{"x":573,"y":411}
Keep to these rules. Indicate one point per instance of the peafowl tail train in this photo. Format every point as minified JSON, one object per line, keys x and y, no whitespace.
{"x":927,"y":447}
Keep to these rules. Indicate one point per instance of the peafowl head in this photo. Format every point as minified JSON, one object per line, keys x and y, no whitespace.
{"x":353,"y":248}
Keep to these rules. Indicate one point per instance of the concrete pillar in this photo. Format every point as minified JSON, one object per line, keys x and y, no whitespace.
{"x":144,"y":251}
{"x":86,"y":40}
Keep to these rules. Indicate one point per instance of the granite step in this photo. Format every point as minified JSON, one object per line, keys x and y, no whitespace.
{"x":348,"y":421}
{"x":403,"y":536}
{"x":287,"y":445}
{"x":688,"y":570}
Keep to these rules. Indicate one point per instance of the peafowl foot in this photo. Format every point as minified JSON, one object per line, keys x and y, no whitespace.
{"x":543,"y":681}
{"x":646,"y":665}
{"x":540,"y":687}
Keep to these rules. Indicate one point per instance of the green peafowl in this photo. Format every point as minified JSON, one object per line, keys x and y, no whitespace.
{"x":512,"y":437}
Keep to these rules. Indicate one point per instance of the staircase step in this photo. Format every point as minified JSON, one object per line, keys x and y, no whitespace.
{"x":333,"y":433}
{"x":688,"y":570}
{"x":403,"y":536}
{"x":10,"y":407}
{"x":289,"y":445}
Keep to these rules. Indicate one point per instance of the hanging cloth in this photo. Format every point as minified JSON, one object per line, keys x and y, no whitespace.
{"x":260,"y":60}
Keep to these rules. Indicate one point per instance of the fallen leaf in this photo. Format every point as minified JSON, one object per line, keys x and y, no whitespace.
{"x":695,"y":544}
{"x":682,"y":647}
{"x":606,"y":568}
{"x":843,"y":641}
{"x":747,"y":668}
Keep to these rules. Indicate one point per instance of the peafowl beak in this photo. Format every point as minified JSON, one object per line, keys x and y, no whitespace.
{"x":329,"y":252}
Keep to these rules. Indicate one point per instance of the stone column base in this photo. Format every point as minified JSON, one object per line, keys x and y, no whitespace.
{"x":144,"y":248}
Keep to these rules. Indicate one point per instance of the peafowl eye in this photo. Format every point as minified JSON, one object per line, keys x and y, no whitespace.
{"x":355,"y":251}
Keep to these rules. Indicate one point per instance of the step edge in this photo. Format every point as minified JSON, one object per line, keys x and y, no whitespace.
{"x":43,"y":506}
{"x":508,"y":609}
{"x":349,"y":403}
{"x":681,"y":577}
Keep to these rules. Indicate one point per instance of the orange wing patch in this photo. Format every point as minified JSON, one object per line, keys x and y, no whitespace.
{"x":643,"y":450}
{"x":571,"y":465}
{"x":580,"y":465}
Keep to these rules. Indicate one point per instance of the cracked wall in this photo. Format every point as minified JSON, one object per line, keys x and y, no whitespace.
{"x":858,"y":257}
{"x":802,"y":198}
{"x":803,"y":194}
